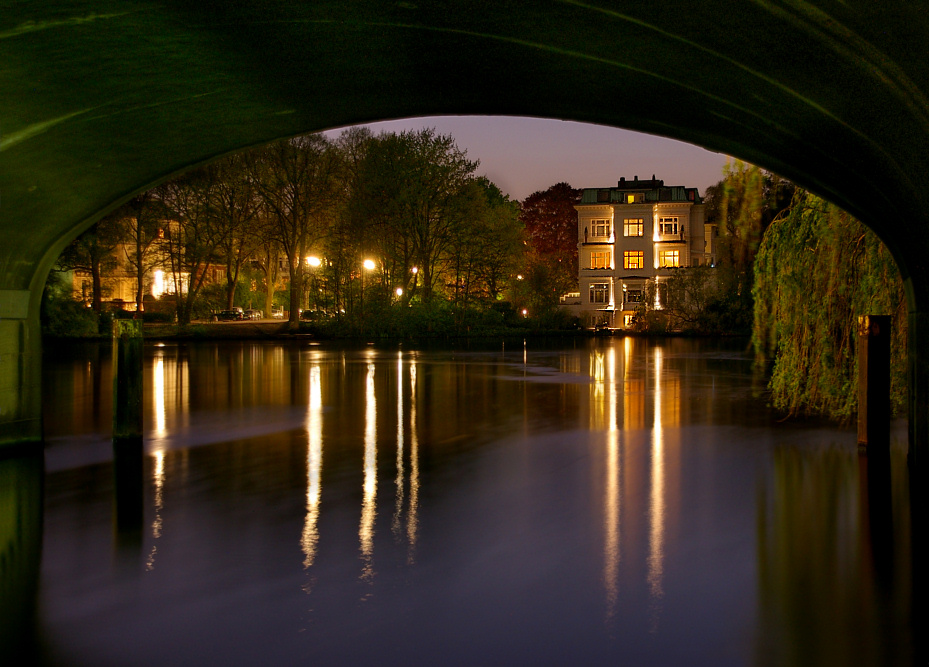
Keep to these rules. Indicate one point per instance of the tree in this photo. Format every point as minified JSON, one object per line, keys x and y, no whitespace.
{"x":488,"y":242}
{"x":298,"y":181}
{"x":267,"y":256}
{"x":142,"y":222}
{"x":550,"y":220}
{"x":742,"y":205}
{"x":349,"y":238}
{"x":409,"y":188}
{"x":687,"y":297}
{"x":235,"y":201}
{"x":816,"y":271}
{"x":194,"y":234}
{"x":93,"y":252}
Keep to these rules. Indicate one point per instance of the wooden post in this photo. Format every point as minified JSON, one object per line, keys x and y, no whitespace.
{"x":873,"y":381}
{"x":127,"y":423}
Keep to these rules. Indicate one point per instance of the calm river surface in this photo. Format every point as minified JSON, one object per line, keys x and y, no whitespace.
{"x":589,"y":502}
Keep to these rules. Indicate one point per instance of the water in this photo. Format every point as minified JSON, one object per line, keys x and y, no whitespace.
{"x":611,"y":501}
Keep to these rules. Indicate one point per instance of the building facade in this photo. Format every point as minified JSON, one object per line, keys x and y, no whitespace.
{"x":630,"y":235}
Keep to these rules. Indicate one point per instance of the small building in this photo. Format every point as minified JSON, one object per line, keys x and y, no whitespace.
{"x":631,"y":235}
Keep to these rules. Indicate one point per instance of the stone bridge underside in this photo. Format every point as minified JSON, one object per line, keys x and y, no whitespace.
{"x":101,"y":99}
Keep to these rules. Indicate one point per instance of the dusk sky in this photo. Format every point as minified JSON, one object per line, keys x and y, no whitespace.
{"x":523,"y":155}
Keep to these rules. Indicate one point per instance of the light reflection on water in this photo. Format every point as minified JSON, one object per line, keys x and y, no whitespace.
{"x":612,"y":500}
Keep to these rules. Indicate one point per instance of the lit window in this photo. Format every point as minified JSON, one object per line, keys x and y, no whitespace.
{"x":600,"y":227}
{"x":634,"y":296}
{"x":635,"y":197}
{"x":599,"y":292}
{"x":633,"y":227}
{"x":600,"y":259}
{"x":633,"y":259}
{"x":627,"y":320}
{"x":669,"y":258}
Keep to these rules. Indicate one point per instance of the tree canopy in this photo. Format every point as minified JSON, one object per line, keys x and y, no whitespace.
{"x":550,"y":220}
{"x":816,"y":271}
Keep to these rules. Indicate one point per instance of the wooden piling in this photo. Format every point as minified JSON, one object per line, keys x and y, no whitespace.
{"x":873,"y":381}
{"x":127,"y":424}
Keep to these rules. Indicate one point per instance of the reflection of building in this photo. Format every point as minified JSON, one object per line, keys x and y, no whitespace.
{"x":631,"y":235}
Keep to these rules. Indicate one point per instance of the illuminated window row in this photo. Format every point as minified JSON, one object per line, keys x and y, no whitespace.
{"x":601,"y":259}
{"x":633,"y":259}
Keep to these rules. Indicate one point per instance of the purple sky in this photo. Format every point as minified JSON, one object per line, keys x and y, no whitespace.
{"x":523,"y":155}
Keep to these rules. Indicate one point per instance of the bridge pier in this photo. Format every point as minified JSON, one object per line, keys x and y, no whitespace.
{"x":20,"y":368}
{"x":918,"y":390}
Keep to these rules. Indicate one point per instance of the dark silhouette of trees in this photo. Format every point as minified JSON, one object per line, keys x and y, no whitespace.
{"x":299,"y":182}
{"x":409,"y":189}
{"x":142,"y":226}
{"x":235,"y":201}
{"x":194,"y":233}
{"x":550,"y":220}
{"x":93,"y":252}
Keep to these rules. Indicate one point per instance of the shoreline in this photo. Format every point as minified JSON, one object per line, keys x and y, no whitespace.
{"x":280,"y":331}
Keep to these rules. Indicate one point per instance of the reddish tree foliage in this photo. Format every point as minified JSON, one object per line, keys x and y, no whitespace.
{"x":551,"y":226}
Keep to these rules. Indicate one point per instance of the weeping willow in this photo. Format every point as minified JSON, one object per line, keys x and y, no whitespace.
{"x":818,"y":269}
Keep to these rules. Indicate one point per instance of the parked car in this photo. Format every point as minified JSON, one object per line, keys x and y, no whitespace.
{"x":277,"y":312}
{"x":229,"y":315}
{"x":253,"y":314}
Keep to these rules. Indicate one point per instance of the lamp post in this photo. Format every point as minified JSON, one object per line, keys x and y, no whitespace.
{"x":314,"y":263}
{"x":367,"y":265}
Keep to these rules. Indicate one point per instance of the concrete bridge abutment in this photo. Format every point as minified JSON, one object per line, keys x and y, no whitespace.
{"x":20,"y":368}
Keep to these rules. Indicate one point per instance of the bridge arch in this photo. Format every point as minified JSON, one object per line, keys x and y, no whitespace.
{"x":103,"y":100}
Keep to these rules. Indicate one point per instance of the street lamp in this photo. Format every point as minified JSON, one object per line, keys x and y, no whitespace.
{"x":368,"y":265}
{"x":313,"y":262}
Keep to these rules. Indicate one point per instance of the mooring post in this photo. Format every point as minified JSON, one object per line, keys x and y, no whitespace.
{"x":873,"y":381}
{"x":127,"y":423}
{"x":874,"y":442}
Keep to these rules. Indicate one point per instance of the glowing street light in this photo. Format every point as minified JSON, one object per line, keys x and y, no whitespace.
{"x":399,"y":291}
{"x":369,"y":264}
{"x":313,"y":260}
